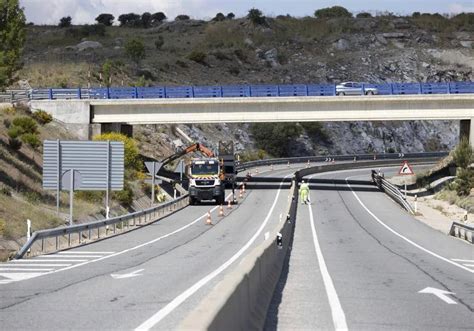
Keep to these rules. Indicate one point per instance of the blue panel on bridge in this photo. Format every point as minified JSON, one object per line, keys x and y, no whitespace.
{"x":233,"y":91}
{"x":156,"y":92}
{"x":263,"y":90}
{"x":207,"y":91}
{"x":179,"y":92}
{"x":292,"y":90}
{"x":321,"y":90}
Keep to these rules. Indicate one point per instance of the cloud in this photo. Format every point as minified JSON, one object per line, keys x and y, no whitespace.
{"x":457,"y":8}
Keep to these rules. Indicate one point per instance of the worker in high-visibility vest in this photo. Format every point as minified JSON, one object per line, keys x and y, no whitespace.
{"x":304,"y":192}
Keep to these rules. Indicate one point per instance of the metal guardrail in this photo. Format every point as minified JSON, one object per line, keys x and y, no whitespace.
{"x":12,"y":96}
{"x":462,"y":231}
{"x":334,"y":158}
{"x":75,"y":235}
{"x":241,"y":91}
{"x":392,"y":191}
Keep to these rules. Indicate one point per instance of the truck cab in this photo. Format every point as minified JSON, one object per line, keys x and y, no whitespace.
{"x":205,"y":182}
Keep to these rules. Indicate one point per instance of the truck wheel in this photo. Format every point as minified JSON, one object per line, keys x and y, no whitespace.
{"x":192,"y":201}
{"x":220,"y":199}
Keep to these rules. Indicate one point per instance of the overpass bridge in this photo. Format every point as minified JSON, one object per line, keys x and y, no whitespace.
{"x":89,"y":112}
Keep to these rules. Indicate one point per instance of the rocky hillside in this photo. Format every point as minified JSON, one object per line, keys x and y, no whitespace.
{"x":281,"y":50}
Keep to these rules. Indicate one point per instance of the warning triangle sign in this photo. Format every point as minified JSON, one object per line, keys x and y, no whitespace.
{"x":406,"y":169}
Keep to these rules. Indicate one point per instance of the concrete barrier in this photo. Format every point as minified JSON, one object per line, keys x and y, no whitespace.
{"x":241,"y":300}
{"x":462,"y":231}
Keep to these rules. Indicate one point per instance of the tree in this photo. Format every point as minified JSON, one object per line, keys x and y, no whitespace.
{"x":332,"y":12}
{"x":107,"y":72}
{"x":146,"y":20}
{"x":230,"y":16}
{"x":463,"y":154}
{"x":182,"y":18}
{"x":65,"y":22}
{"x":158,"y":17}
{"x":219,"y":17}
{"x":12,"y":39}
{"x":106,"y":19}
{"x":135,"y":50}
{"x":130,"y":19}
{"x":364,"y":15}
{"x":256,"y":17}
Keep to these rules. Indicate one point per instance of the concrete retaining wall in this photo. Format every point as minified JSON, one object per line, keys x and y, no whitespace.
{"x":462,"y":231}
{"x":241,"y":300}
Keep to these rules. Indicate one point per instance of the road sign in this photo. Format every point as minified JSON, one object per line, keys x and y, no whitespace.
{"x":406,"y":169}
{"x":157,"y":167}
{"x":156,"y":182}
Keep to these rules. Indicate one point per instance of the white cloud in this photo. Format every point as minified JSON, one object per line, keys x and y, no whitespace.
{"x":457,"y":8}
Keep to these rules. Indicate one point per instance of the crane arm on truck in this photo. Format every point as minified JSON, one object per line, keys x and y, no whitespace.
{"x":192,"y":148}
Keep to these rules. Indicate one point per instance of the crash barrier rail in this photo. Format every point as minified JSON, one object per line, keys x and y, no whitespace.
{"x":392,"y":191}
{"x":244,"y":91}
{"x":75,"y":235}
{"x":12,"y":96}
{"x":462,"y":231}
{"x":334,"y":158}
{"x":241,"y":300}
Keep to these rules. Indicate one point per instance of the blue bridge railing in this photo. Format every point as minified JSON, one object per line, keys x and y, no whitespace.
{"x":242,"y":91}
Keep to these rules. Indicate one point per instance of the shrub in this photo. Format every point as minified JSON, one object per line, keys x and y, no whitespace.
{"x":14,"y":132}
{"x":197,"y":56}
{"x":230,"y":16}
{"x":105,"y":19}
{"x":124,"y":197}
{"x":42,"y":117}
{"x":234,"y":70}
{"x":132,"y":156}
{"x":5,"y":191}
{"x":31,"y":139}
{"x":26,"y":124}
{"x":14,"y":143}
{"x":146,"y":20}
{"x":182,"y":18}
{"x":463,"y":154}
{"x":33,"y":197}
{"x":332,"y":12}
{"x":65,"y":22}
{"x":93,"y":30}
{"x":256,"y":16}
{"x":464,"y":181}
{"x":181,"y":63}
{"x":3,"y":225}
{"x":159,"y":42}
{"x":135,"y":50}
{"x":416,"y":14}
{"x":364,"y":15}
{"x":130,"y":20}
{"x":275,"y":137}
{"x":7,"y":123}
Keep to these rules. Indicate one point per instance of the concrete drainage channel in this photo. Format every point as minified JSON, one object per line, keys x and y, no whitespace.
{"x":241,"y":300}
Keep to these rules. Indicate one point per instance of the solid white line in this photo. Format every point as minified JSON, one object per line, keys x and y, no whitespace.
{"x":461,"y":260}
{"x":36,"y":265}
{"x":162,"y":313}
{"x":469,"y":265}
{"x":23,"y":269}
{"x":403,"y":237}
{"x":338,"y":316}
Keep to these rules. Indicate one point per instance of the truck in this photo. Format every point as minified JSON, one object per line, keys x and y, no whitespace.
{"x":206,"y":181}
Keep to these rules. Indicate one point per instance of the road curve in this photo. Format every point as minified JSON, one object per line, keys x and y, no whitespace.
{"x":124,"y":282}
{"x":360,"y":262}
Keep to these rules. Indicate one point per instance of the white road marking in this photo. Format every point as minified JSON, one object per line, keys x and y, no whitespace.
{"x":45,"y":260}
{"x":35,"y":265}
{"x":338,"y":316}
{"x":443,"y":295}
{"x":469,"y":265}
{"x":59,"y":256}
{"x":132,"y":274}
{"x":162,"y":313}
{"x":461,"y":260}
{"x":17,"y":276}
{"x":25,"y":269}
{"x":402,"y":236}
{"x":86,"y":252}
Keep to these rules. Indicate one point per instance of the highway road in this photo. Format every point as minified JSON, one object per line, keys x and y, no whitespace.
{"x":150,"y":278}
{"x":360,"y":262}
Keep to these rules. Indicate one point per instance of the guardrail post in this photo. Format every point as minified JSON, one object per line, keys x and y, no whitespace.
{"x":334,"y":90}
{"x":42,"y":245}
{"x":420,"y":88}
{"x":391,"y":88}
{"x":192,"y":91}
{"x":68,"y":240}
{"x":362,"y":91}
{"x":108,"y":92}
{"x":57,"y":242}
{"x":79,"y":96}
{"x":50,"y":94}
{"x":448,"y":88}
{"x":136,"y":92}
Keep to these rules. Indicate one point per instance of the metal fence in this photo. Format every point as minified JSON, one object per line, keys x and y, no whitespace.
{"x":46,"y":241}
{"x":230,"y":91}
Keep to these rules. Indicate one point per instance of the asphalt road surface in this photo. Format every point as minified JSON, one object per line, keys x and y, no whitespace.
{"x":150,"y":278}
{"x":360,"y":262}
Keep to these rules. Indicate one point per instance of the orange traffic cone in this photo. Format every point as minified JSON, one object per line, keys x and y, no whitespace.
{"x":208,"y":220}
{"x":221,"y":211}
{"x":229,"y":204}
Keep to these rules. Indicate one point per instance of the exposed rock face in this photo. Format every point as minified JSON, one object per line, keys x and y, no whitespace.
{"x":85,"y":45}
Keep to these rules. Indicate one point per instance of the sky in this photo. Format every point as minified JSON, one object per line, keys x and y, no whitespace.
{"x":85,"y":11}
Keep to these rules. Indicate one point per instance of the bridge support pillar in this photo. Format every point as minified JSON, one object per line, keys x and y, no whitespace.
{"x":467,"y":130}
